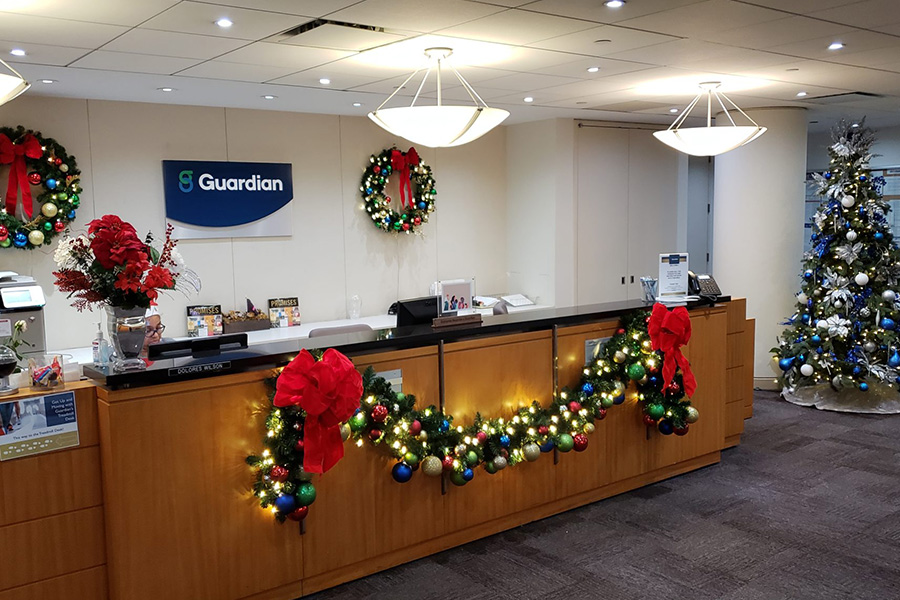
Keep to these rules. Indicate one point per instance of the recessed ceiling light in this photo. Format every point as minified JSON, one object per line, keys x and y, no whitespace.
{"x":224,"y":23}
{"x":47,"y":81}
{"x":593,"y":69}
{"x":269,"y":97}
{"x":835,"y":46}
{"x":527,"y":99}
{"x":17,"y":52}
{"x":673,"y":110}
{"x":801,"y":94}
{"x":165,"y":89}
{"x":614,"y":3}
{"x":324,"y":81}
{"x":357,"y":104}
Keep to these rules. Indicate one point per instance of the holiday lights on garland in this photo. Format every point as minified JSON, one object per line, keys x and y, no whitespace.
{"x":426,"y":438}
{"x":416,"y":190}
{"x":844,"y":331}
{"x":36,"y":161}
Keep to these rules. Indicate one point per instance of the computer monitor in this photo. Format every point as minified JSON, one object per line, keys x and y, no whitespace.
{"x":417,"y":311}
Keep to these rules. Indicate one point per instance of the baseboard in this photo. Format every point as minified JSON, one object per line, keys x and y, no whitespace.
{"x":766,"y":383}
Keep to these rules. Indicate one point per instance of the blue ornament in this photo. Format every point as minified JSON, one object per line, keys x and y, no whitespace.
{"x":819,"y":350}
{"x":879,"y":235}
{"x":20,"y":239}
{"x":807,"y":274}
{"x":504,"y":441}
{"x":862,"y":211}
{"x":387,"y":220}
{"x":815,"y":339}
{"x":421,"y":206}
{"x":857,"y":370}
{"x":665,"y":427}
{"x":809,"y":303}
{"x":897,"y":381}
{"x":805,"y":318}
{"x":802,"y":358}
{"x":786,"y":363}
{"x":368,"y":190}
{"x":864,"y":387}
{"x":51,"y":183}
{"x":71,"y":214}
{"x":654,"y":382}
{"x":619,"y":399}
{"x":445,"y":425}
{"x":286,"y":504}
{"x":468,"y":474}
{"x":887,"y":323}
{"x":827,"y":174}
{"x":401,"y":472}
{"x":547,"y":446}
{"x":862,"y":177}
{"x":587,"y":389}
{"x":894,"y":360}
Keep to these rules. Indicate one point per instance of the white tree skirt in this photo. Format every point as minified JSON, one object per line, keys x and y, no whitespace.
{"x":880,"y":399}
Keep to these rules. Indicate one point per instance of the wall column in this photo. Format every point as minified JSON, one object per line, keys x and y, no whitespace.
{"x":758,"y":224}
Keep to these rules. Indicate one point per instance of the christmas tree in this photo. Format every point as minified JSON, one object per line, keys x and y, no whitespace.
{"x":844,"y":331}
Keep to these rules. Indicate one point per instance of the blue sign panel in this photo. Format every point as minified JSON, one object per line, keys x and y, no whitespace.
{"x":224,"y":194}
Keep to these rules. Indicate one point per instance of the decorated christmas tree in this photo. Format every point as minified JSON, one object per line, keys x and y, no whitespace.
{"x":844,"y":331}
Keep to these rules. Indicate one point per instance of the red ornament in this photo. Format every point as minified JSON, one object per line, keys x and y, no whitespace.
{"x":379,"y":413}
{"x":482,"y":436}
{"x":59,"y":226}
{"x":620,"y":331}
{"x":374,"y":435}
{"x":406,"y":227}
{"x":574,"y":406}
{"x":34,"y":178}
{"x":387,"y":199}
{"x":417,"y":221}
{"x":674,"y":388}
{"x":543,"y":430}
{"x":4,"y":232}
{"x":415,"y":427}
{"x":581,"y":442}
{"x":649,"y":421}
{"x":447,"y":463}
{"x":601,"y":414}
{"x":278,"y":473}
{"x":299,"y":445}
{"x":377,"y":169}
{"x":57,"y":161}
{"x":504,"y":453}
{"x":681,"y":430}
{"x":299,"y":514}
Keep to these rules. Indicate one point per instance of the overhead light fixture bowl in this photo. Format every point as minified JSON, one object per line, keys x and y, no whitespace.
{"x":12,"y":85}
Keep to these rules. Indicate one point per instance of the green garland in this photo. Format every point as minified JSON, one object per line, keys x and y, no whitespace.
{"x":58,"y":175}
{"x":379,"y":205}
{"x":428,"y":438}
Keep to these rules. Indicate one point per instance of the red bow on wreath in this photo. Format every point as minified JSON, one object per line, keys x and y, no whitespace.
{"x":669,"y":331}
{"x":14,"y":154}
{"x":329,"y":391}
{"x":400,"y":163}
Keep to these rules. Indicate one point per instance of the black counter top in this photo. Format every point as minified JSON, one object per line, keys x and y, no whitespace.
{"x":274,"y":354}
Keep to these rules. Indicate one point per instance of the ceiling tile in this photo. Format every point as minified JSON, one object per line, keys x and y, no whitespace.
{"x":199,"y":18}
{"x":39,"y":54}
{"x":867,"y":14}
{"x":310,"y":78}
{"x":217,"y":69}
{"x":282,"y":55}
{"x":695,"y":19}
{"x":729,"y":60}
{"x":672,"y":53}
{"x":800,"y":7}
{"x":578,"y":68}
{"x":527,"y":82}
{"x":343,"y":38}
{"x":854,"y":40}
{"x":60,"y":32}
{"x":762,"y":36}
{"x":529,"y":60}
{"x":594,"y":10}
{"x":112,"y":12}
{"x":619,"y":39}
{"x":414,"y":15}
{"x":517,"y":27}
{"x":167,"y":43}
{"x":508,"y":3}
{"x":878,"y":58}
{"x":310,"y":8}
{"x":134,"y":63}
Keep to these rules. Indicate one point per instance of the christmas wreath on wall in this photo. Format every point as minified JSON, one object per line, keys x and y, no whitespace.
{"x":317,"y":406}
{"x":36,"y":161}
{"x":417,"y":191}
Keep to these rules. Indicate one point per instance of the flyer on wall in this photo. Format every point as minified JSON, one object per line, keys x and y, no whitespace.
{"x":38,"y":424}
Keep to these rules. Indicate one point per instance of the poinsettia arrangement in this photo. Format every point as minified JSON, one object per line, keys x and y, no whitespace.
{"x":112,"y":266}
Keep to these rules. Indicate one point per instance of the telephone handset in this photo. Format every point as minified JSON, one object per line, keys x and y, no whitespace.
{"x":703,"y":285}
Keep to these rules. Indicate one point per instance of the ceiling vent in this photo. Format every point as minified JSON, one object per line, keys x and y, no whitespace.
{"x":301,"y":29}
{"x":337,"y":35}
{"x":844,"y":98}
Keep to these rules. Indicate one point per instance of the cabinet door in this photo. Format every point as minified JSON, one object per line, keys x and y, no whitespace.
{"x":602,"y":211}
{"x":652,"y":206}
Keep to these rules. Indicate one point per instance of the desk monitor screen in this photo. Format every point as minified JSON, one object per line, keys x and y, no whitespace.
{"x":417,"y":311}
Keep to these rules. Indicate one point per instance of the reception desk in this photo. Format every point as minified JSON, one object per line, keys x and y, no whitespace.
{"x":155,"y":502}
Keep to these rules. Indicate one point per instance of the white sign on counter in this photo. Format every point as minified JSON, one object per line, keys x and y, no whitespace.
{"x":673,"y":275}
{"x":38,"y":424}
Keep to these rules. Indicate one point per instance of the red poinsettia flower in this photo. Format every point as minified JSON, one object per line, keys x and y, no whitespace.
{"x":110,"y":222}
{"x":159,"y":277}
{"x":114,"y":248}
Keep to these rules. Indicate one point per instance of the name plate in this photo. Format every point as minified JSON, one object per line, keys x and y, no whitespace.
{"x":215,"y":367}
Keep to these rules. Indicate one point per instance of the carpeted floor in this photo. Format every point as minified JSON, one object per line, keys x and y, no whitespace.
{"x":808,"y":507}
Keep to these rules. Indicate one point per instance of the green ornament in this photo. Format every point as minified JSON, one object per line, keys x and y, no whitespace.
{"x":656,"y":411}
{"x":490,"y":468}
{"x":472,"y":458}
{"x":606,"y":402}
{"x":306,"y":494}
{"x":48,"y":225}
{"x":433,"y":191}
{"x":432,"y":466}
{"x":358,"y":421}
{"x":63,"y":196}
{"x":411,"y":459}
{"x":401,"y":396}
{"x":74,"y":197}
{"x":456,"y":478}
{"x":636,"y":371}
{"x":5,"y":243}
{"x":531,"y":451}
{"x":565,"y":442}
{"x":691,"y":414}
{"x":74,"y":203}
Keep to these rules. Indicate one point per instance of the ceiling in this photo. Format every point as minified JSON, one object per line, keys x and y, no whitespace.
{"x":650,"y":54}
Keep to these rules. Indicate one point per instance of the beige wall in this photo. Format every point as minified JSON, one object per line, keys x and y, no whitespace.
{"x":334,"y":251}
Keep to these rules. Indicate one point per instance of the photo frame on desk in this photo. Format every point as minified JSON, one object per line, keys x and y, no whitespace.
{"x":456,"y":295}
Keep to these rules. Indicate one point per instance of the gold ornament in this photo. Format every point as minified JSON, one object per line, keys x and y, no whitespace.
{"x":619,"y":356}
{"x":49,"y":210}
{"x":36,"y":237}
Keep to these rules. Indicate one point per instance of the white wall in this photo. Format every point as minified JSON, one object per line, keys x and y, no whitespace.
{"x":334,"y":251}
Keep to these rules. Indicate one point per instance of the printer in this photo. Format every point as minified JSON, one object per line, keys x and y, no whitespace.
{"x":22,"y":299}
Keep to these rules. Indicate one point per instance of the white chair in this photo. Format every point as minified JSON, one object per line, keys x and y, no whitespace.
{"x":355,"y":328}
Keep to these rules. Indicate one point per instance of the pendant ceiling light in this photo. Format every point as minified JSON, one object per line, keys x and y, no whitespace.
{"x":709,"y":140}
{"x":441,"y":125}
{"x":11,"y":85}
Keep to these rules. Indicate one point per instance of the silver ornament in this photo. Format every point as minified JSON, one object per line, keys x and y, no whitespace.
{"x":461,"y":449}
{"x":345,"y":432}
{"x":861,"y":279}
{"x":619,"y":356}
{"x":806,"y":370}
{"x":432,"y":466}
{"x":864,"y":312}
{"x":499,"y":463}
{"x":802,"y":298}
{"x":869,"y":346}
{"x":838,"y":304}
{"x":691,"y":414}
{"x":851,"y":236}
{"x":848,"y":201}
{"x":888,"y":295}
{"x":836,"y":381}
{"x":531,"y":451}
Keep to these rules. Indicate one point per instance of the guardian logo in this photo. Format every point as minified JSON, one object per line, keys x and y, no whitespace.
{"x":228,"y":199}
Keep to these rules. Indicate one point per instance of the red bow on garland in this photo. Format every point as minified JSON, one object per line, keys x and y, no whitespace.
{"x":400,"y":163}
{"x":669,"y":331}
{"x":14,"y":154}
{"x":329,"y":391}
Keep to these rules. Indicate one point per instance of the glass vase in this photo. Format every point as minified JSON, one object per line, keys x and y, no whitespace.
{"x":7,"y":366}
{"x":127,"y":330}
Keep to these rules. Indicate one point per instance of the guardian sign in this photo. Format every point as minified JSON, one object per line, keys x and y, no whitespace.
{"x":228,"y":199}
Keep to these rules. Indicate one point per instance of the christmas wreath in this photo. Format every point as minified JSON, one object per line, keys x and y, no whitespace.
{"x":642,"y":361}
{"x":417,"y":190}
{"x":35,"y":160}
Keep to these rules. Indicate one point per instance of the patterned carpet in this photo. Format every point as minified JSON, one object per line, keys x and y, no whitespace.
{"x":808,"y":507}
